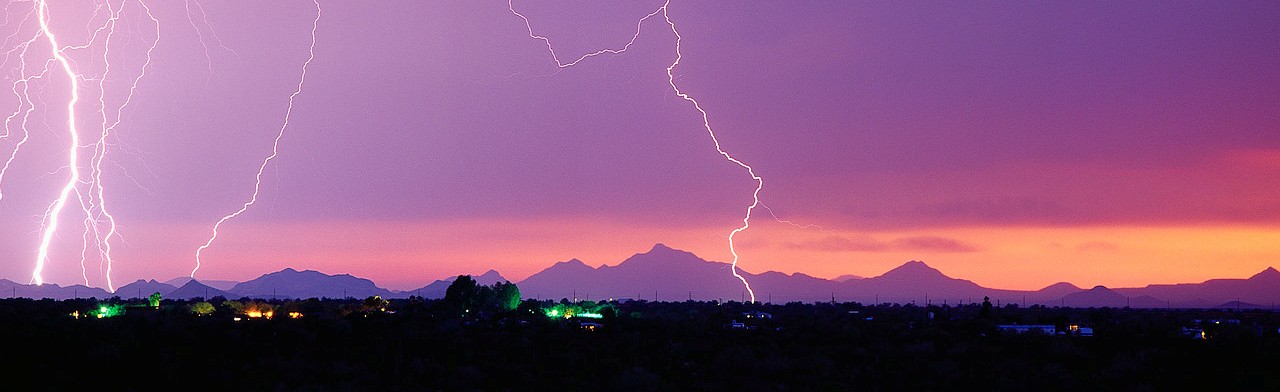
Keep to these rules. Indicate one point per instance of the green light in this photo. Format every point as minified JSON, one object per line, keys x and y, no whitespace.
{"x":105,"y":311}
{"x":574,"y":311}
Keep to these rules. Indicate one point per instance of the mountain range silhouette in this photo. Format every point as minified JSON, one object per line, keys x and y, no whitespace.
{"x":666,"y":274}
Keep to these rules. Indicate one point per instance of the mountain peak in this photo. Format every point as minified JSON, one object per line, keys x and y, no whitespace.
{"x":660,"y":247}
{"x":489,"y":278}
{"x":290,"y":272}
{"x":1061,"y":286}
{"x":1269,"y":273}
{"x":194,"y":283}
{"x":291,"y":283}
{"x":913,"y":268}
{"x":570,"y":265}
{"x":194,"y":289}
{"x":662,"y":257}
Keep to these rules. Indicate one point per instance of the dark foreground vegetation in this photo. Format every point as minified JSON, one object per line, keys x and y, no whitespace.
{"x":488,"y":343}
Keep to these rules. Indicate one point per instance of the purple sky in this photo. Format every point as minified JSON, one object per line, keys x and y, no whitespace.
{"x":435,"y":138}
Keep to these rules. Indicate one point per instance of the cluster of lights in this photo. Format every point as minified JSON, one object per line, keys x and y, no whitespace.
{"x":260,"y":314}
{"x":268,"y":314}
{"x":571,"y":311}
{"x":259,"y":310}
{"x":106,"y":311}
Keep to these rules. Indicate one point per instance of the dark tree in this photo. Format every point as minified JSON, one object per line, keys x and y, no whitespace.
{"x":466,"y":295}
{"x":201,"y":308}
{"x":461,"y":293}
{"x":485,"y":298}
{"x":508,"y":295}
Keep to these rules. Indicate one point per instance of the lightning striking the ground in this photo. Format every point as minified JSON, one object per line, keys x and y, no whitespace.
{"x":38,"y":59}
{"x":73,"y":156}
{"x":275,"y":147}
{"x":671,"y":79}
{"x":80,"y":77}
{"x":101,"y":146}
{"x":37,"y":70}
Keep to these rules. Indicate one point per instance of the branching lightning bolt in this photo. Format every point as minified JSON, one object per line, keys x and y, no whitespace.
{"x":797,"y":225}
{"x":556,"y":57}
{"x":73,"y":159}
{"x":87,"y":189}
{"x":275,"y":147}
{"x":706,"y":122}
{"x":191,"y":13}
{"x":101,"y":148}
{"x":24,"y":100}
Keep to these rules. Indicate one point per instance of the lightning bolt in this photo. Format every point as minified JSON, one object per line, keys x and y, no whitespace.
{"x":191,"y":15}
{"x":101,"y":146}
{"x":275,"y":147}
{"x":797,"y":225}
{"x":87,"y":189}
{"x":73,"y":157}
{"x":24,"y":100}
{"x":671,"y":80}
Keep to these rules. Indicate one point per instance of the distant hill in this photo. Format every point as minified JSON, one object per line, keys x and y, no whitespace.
{"x":1057,"y":290}
{"x":1243,"y":305}
{"x":195,"y":289}
{"x":1262,"y":288}
{"x":917,"y":282}
{"x":143,"y":289}
{"x":668,"y":274}
{"x":291,"y":283}
{"x":10,"y":289}
{"x":665,"y":274}
{"x":1100,"y":296}
{"x":437,"y":289}
{"x":223,"y":285}
{"x":671,"y":275}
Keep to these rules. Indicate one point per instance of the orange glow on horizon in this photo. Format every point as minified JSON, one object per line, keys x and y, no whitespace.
{"x":407,"y":256}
